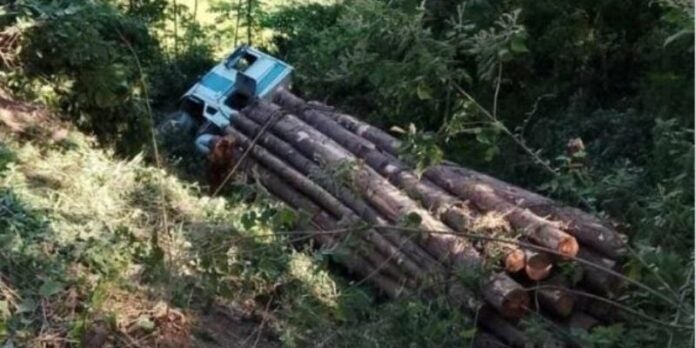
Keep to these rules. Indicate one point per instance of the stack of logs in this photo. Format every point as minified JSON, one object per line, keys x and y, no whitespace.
{"x":423,"y":235}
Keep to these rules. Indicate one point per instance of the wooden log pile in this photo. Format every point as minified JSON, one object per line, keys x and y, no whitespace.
{"x":496,"y":250}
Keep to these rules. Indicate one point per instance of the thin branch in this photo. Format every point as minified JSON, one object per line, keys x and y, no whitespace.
{"x":270,"y":122}
{"x":497,"y":90}
{"x":612,"y":303}
{"x":507,"y":131}
{"x":506,"y":241}
{"x":548,"y":250}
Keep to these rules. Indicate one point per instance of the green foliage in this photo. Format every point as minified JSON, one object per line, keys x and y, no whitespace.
{"x":101,"y":66}
{"x":419,"y":149}
{"x":376,"y":58}
{"x":615,"y":77}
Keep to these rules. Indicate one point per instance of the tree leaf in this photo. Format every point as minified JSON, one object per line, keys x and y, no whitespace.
{"x":517,"y":45}
{"x":27,"y":306}
{"x":397,"y":129}
{"x":470,"y":333}
{"x":423,"y":92}
{"x":50,"y":288}
{"x":145,"y":323}
{"x":4,"y":310}
{"x":413,"y":219}
{"x":676,"y":36}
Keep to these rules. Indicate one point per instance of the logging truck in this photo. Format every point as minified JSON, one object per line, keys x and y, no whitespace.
{"x":243,"y":77}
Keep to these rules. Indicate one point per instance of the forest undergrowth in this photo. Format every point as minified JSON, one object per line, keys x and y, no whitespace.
{"x":589,"y":102}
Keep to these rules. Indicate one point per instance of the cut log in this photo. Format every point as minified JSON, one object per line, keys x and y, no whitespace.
{"x":388,"y":200}
{"x":451,"y":210}
{"x":586,"y":228}
{"x":510,"y":298}
{"x":553,"y":297}
{"x":485,"y":340}
{"x":538,"y":265}
{"x":598,"y":279}
{"x":307,"y":167}
{"x":369,"y":132}
{"x":556,"y":300}
{"x":600,"y":310}
{"x":321,"y":219}
{"x":326,"y":201}
{"x":541,"y":231}
{"x":379,"y":192}
{"x":506,"y":296}
{"x":515,"y":261}
{"x":489,"y":319}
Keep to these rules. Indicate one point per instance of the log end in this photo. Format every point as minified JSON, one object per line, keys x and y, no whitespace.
{"x":515,"y":261}
{"x":582,"y":321}
{"x":539,"y":266}
{"x":565,"y":305}
{"x":560,"y":302}
{"x":515,"y":304}
{"x":568,"y":247}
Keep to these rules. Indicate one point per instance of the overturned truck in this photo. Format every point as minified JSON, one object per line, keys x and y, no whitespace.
{"x":408,"y":234}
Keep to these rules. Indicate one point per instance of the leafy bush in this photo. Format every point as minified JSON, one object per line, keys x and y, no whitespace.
{"x":103,"y":68}
{"x":612,"y":77}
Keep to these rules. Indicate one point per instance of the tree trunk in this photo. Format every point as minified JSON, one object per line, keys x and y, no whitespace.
{"x":284,"y":150}
{"x":354,"y":263}
{"x":539,"y":230}
{"x":538,"y":265}
{"x":586,"y":228}
{"x":326,"y":201}
{"x":386,"y":198}
{"x":597,"y":279}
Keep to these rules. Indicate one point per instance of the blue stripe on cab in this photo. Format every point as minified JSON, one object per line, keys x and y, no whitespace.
{"x":270,"y":78}
{"x":216,"y":82}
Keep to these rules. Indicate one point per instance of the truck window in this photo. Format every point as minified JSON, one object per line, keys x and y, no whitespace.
{"x":193,"y":107}
{"x":244,"y":62}
{"x":237,"y":101}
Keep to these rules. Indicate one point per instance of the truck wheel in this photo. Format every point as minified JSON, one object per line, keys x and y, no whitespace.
{"x":180,"y":123}
{"x":176,"y":133}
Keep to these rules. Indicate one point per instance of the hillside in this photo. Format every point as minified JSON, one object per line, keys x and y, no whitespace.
{"x":110,"y":234}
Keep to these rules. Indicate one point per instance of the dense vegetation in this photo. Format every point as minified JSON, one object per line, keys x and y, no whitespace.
{"x":589,"y":101}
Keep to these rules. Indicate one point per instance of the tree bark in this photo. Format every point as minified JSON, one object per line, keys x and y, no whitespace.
{"x":539,"y":230}
{"x":386,"y":198}
{"x":586,"y":228}
{"x":538,"y":265}
{"x":354,"y":263}
{"x":327,"y":201}
{"x":304,"y":165}
{"x":597,"y":279}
